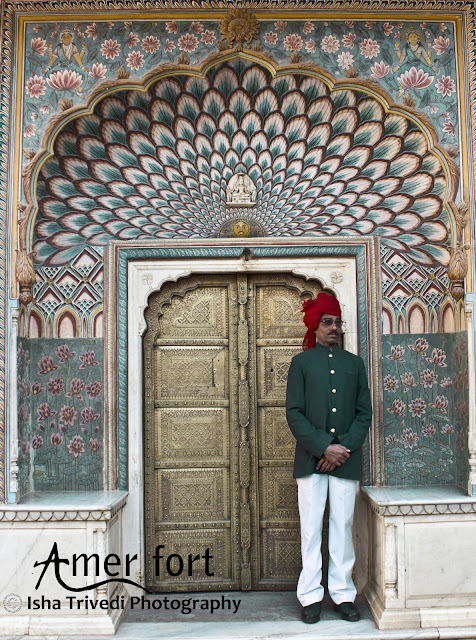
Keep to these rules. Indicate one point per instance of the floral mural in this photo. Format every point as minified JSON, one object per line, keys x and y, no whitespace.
{"x":61,"y":414}
{"x":425,"y":409}
{"x":413,"y":61}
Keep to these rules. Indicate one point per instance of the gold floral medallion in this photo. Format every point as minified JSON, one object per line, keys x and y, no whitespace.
{"x":239,"y":26}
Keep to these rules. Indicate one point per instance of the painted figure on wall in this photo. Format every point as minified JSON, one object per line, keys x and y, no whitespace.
{"x":413,"y":53}
{"x":68,"y":57}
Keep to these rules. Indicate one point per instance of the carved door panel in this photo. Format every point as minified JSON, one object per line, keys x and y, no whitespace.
{"x":191,"y":441}
{"x":218,"y":452}
{"x":278,"y":332}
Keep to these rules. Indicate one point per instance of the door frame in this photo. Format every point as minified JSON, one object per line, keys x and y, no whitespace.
{"x":346,"y":266}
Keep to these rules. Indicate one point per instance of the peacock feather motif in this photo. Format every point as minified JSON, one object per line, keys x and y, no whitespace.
{"x":156,"y":164}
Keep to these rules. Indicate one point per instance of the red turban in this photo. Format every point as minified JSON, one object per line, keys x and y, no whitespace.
{"x":313,"y":310}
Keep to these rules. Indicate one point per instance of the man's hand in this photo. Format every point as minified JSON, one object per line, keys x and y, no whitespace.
{"x":334,"y":456}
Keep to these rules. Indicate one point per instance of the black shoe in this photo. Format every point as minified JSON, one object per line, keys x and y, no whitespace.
{"x":348,"y":611}
{"x":312,"y":613}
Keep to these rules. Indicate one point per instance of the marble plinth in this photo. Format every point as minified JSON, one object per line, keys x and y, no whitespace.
{"x":422,"y":563}
{"x":79,"y":523}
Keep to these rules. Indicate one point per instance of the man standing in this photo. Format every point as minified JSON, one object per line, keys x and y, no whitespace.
{"x":329,"y":412}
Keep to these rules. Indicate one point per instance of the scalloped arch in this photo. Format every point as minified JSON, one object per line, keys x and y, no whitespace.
{"x":153,"y":160}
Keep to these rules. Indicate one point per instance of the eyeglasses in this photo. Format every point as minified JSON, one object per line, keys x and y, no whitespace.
{"x":328,"y":322}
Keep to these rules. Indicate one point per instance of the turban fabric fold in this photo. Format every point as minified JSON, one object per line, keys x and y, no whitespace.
{"x":313,"y":310}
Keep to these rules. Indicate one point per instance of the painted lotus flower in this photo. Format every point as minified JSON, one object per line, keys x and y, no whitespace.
{"x":56,"y":439}
{"x":415,"y":79}
{"x":330,"y":44}
{"x":98,"y":71}
{"x":64,"y":80}
{"x":311,"y":46}
{"x":43,"y":410}
{"x":387,"y":28}
{"x":110,"y":49}
{"x":92,"y":31}
{"x":35,"y":86}
{"x":447,"y":429}
{"x":46,"y":366}
{"x":55,"y":386}
{"x":37,"y":388}
{"x":63,"y":353}
{"x":428,"y":378}
{"x":428,"y":430}
{"x":445,"y":383}
{"x":420,"y":346}
{"x":440,"y":44}
{"x":76,"y":446}
{"x":293,"y":42}
{"x":188,"y":42}
{"x":208,"y":37}
{"x":150,"y":44}
{"x":75,"y":387}
{"x":442,"y":26}
{"x":197,"y":27}
{"x":93,"y":389}
{"x":280,"y":26}
{"x":345,"y":60}
{"x":29,"y":131}
{"x":396,"y":353}
{"x":417,"y":407}
{"x":38,"y":45}
{"x":369,"y":48}
{"x":45,"y":109}
{"x":37,"y":442}
{"x":449,"y":128}
{"x":409,"y":439}
{"x":397,"y":408}
{"x":171,"y":26}
{"x":440,"y":403}
{"x":307,"y":27}
{"x":391,"y":439}
{"x":438,"y":357}
{"x":135,"y":60}
{"x":68,"y":415}
{"x":380,"y":69}
{"x":94,"y":444}
{"x":88,"y":415}
{"x":390,"y":383}
{"x":87,"y":360}
{"x":408,"y":381}
{"x":445,"y":85}
{"x":270,"y":37}
{"x":34,"y":116}
{"x":169,"y":46}
{"x":348,"y":40}
{"x":132,"y":40}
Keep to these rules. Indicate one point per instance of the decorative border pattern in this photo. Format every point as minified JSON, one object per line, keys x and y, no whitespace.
{"x":364,"y":250}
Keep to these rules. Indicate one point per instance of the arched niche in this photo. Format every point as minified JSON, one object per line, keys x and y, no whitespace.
{"x":448,"y":320}
{"x":67,"y":325}
{"x":152,"y":160}
{"x":417,"y":318}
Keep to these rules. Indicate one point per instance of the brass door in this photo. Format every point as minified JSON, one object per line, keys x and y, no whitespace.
{"x":218,"y":452}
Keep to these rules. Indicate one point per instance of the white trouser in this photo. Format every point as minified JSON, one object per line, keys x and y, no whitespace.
{"x":312,"y":495}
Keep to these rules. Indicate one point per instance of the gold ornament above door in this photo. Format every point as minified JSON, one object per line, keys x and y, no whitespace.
{"x":220,"y":499}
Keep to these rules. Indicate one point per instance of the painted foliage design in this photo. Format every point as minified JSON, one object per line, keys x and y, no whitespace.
{"x":424,"y":408}
{"x":157,"y":164}
{"x":62,"y":442}
{"x":409,"y":59}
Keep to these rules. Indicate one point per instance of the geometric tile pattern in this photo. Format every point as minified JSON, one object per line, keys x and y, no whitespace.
{"x":403,"y":282}
{"x":157,"y":164}
{"x":76,"y":287}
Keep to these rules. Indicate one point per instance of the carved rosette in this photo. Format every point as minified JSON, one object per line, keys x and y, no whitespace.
{"x":458,"y":265}
{"x":238,"y":27}
{"x":25,"y":275}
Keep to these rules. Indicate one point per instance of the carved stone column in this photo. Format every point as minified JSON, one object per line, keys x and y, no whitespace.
{"x":458,"y":266}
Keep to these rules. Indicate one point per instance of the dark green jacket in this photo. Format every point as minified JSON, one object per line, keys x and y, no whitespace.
{"x":327,"y":402}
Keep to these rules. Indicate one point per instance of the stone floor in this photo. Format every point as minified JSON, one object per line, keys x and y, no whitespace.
{"x":260,"y":616}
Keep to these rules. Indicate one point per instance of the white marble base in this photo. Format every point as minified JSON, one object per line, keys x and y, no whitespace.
{"x":421,"y":557}
{"x":79,"y":523}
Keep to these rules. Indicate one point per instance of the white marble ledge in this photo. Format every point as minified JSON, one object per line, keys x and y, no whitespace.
{"x":65,"y":505}
{"x":419,"y":500}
